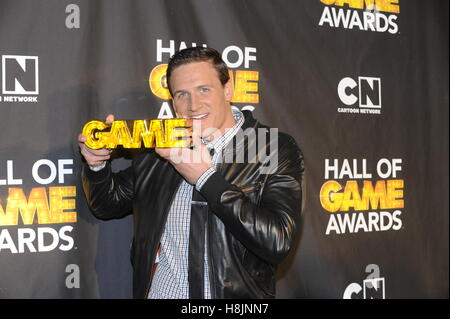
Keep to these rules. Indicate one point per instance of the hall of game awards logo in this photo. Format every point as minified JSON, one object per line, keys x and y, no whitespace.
{"x":364,"y":15}
{"x":358,"y":200}
{"x":40,"y":218}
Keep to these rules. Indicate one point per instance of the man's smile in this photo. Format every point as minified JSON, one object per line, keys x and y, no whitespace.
{"x":203,"y":116}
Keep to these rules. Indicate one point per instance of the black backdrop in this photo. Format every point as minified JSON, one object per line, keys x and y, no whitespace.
{"x":363,"y":90}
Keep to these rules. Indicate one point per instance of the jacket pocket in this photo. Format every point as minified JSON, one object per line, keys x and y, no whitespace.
{"x":262,"y":273}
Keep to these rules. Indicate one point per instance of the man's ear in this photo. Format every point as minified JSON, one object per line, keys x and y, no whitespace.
{"x":228,"y":91}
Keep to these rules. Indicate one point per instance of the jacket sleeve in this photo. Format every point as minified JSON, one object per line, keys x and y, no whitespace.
{"x":109,"y":195}
{"x":266,"y":228}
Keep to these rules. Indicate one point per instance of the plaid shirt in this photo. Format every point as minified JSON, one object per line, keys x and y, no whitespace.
{"x":170,"y":280}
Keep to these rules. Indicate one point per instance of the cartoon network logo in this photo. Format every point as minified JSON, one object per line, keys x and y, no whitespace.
{"x":373,"y":287}
{"x":20,"y":78}
{"x":362,"y":94}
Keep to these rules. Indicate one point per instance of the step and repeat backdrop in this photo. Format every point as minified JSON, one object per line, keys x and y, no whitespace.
{"x":362,"y":85}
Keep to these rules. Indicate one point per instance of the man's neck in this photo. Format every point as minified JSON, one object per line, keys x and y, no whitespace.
{"x":228,"y":124}
{"x":231,"y":122}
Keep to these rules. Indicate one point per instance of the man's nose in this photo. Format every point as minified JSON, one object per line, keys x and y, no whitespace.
{"x":194,"y":103}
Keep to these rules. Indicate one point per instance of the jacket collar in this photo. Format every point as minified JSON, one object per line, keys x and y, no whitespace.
{"x":240,"y":143}
{"x":249,"y":120}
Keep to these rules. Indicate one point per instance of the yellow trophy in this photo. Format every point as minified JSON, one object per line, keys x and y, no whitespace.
{"x":138,"y":133}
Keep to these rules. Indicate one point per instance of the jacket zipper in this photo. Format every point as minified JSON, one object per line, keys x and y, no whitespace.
{"x":212,"y":278}
{"x":159,"y":236}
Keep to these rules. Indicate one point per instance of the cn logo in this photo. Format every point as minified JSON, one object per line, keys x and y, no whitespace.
{"x":368,"y":92}
{"x":372,"y":287}
{"x":20,"y":74}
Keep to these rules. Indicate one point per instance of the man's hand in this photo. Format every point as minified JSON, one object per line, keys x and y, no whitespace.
{"x":95,"y":157}
{"x":190,"y":163}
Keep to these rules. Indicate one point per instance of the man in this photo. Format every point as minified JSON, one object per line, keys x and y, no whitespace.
{"x":208,"y":228}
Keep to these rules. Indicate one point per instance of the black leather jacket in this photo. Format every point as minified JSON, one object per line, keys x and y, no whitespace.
{"x":252,"y":218}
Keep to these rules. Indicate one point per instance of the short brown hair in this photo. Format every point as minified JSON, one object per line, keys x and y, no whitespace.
{"x":198,"y":54}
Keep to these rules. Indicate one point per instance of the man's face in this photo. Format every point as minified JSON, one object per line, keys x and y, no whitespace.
{"x":199,"y":94}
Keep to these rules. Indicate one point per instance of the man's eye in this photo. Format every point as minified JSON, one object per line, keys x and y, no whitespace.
{"x":204,"y":90}
{"x":181,"y":94}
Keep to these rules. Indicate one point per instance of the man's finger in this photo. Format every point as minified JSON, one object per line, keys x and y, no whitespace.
{"x":88,"y":151}
{"x":168,"y":151}
{"x":196,"y":140}
{"x":109,"y":119}
{"x":93,"y":158}
{"x":101,"y":157}
{"x":82,"y":138}
{"x":163,"y":152}
{"x":101,"y":152}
